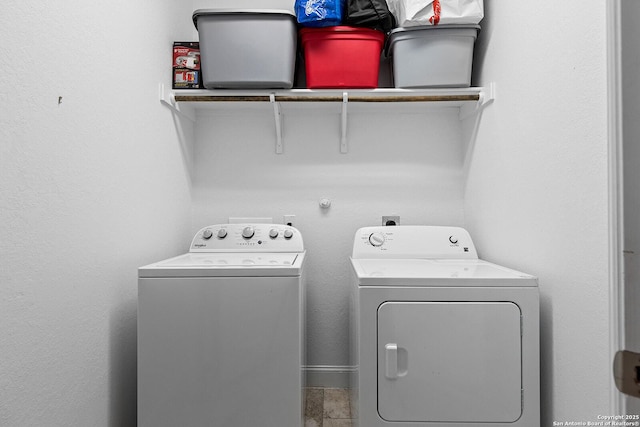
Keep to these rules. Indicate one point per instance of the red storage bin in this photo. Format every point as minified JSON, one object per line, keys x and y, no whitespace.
{"x":341,"y":57}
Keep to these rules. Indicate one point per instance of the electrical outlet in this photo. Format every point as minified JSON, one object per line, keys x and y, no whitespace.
{"x":289,"y":220}
{"x":391,"y":220}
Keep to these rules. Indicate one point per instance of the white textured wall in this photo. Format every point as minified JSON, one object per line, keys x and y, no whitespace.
{"x":90,"y":189}
{"x":98,"y":185}
{"x":407,"y":164}
{"x":536,"y":195}
{"x":631,"y":150}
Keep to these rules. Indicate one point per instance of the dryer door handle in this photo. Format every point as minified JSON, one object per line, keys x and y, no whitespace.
{"x":391,"y":361}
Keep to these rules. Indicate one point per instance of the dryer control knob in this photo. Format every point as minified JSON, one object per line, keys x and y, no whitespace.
{"x":273,"y":233}
{"x":453,"y":239}
{"x":288,"y":234}
{"x":376,"y":239}
{"x":222,"y":233}
{"x":248,"y":232}
{"x":206,"y":234}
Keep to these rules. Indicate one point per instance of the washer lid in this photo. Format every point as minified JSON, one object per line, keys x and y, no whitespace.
{"x":220,"y":264}
{"x":437,"y":272}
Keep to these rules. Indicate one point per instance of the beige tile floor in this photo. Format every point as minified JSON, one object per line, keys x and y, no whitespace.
{"x":327,"y":407}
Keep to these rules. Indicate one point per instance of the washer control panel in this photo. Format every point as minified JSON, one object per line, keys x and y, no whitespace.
{"x":413,"y":241}
{"x":247,"y":238}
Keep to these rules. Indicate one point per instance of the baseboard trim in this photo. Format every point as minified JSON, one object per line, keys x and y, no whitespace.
{"x":328,"y":376}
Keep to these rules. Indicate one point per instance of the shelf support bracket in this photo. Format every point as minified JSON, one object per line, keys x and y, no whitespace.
{"x":487,"y":96}
{"x":277,"y":115}
{"x":344,"y":147}
{"x":168,"y":100}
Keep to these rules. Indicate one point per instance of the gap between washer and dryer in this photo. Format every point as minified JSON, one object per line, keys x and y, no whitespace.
{"x":327,"y":407}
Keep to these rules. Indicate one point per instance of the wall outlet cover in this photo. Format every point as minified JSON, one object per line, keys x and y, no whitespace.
{"x":391,"y":220}
{"x":289,"y":220}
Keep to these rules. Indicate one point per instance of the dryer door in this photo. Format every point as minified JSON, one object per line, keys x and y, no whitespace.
{"x":449,"y":361}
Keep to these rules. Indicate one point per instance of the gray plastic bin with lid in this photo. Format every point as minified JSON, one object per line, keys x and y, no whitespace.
{"x":246,"y":49}
{"x":432,"y":56}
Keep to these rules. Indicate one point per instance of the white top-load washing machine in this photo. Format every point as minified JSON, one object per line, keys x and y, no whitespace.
{"x":221,"y":331}
{"x":440,"y":337}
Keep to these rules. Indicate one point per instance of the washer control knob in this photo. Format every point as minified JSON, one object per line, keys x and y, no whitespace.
{"x":248,"y":232}
{"x":453,"y":239}
{"x":222,"y":233}
{"x":288,"y":234}
{"x":376,"y":239}
{"x":273,"y":233}
{"x":206,"y":234}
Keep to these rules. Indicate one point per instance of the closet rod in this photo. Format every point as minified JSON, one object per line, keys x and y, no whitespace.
{"x":326,"y":98}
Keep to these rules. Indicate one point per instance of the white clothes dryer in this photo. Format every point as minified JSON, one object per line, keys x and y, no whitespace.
{"x":440,"y":337}
{"x":221,"y":331}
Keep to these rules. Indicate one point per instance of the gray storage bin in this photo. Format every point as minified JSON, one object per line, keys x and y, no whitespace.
{"x":247,"y":49}
{"x":427,"y":56}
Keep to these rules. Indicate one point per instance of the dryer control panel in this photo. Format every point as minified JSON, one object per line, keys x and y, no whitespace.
{"x":247,"y":238}
{"x":413,"y":242}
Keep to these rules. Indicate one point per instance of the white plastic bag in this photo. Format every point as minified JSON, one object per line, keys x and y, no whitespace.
{"x":410,"y":13}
